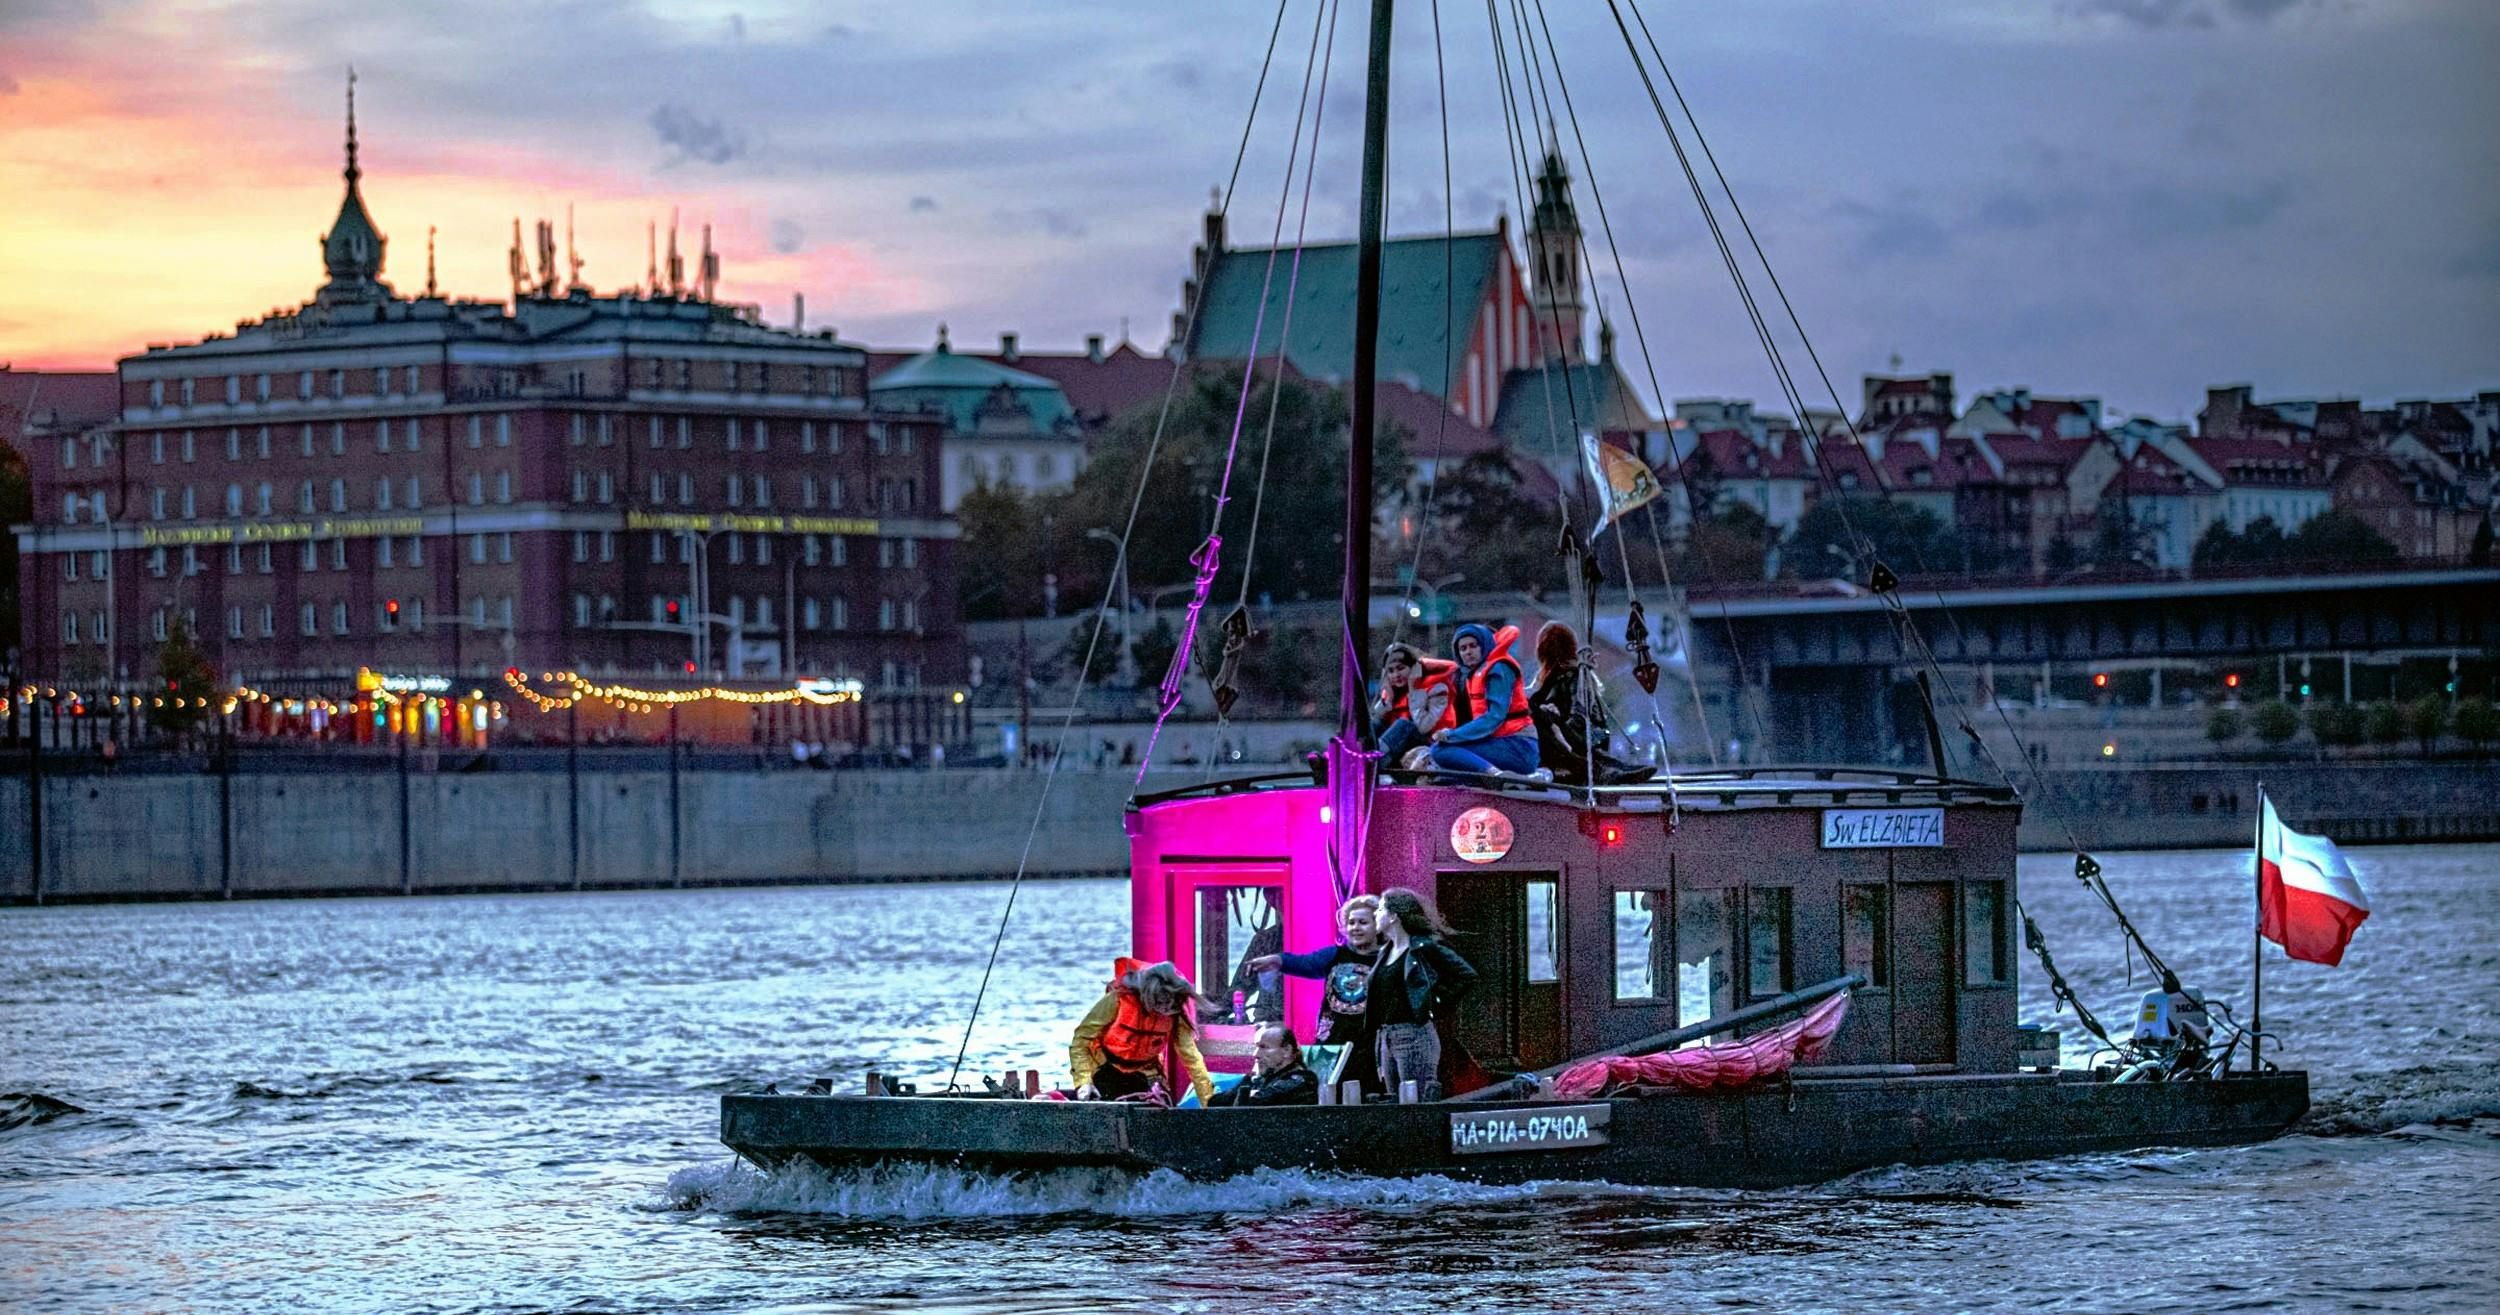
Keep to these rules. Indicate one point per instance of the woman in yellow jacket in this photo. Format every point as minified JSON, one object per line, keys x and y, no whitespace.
{"x":1123,"y":1044}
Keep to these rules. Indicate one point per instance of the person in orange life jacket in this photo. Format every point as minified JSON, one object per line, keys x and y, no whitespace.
{"x":1121,"y":1046}
{"x":1280,"y":1078}
{"x":1405,"y":675}
{"x":1346,"y":968}
{"x":1418,"y":979}
{"x":1489,"y":698}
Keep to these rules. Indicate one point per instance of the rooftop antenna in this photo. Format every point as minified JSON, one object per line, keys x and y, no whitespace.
{"x":798,"y":312}
{"x":572,"y":261}
{"x":676,"y":263}
{"x":709,"y":270}
{"x":652,"y":235}
{"x":429,"y":262}
{"x":546,"y":259}
{"x":518,"y":264}
{"x":1124,"y":328}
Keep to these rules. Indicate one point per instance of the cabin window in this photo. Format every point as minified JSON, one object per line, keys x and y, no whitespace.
{"x":1705,"y":954}
{"x":1766,"y":940}
{"x":1237,"y":924}
{"x":1636,"y":943}
{"x":1983,"y":932}
{"x":1541,"y":957}
{"x":1862,"y":948}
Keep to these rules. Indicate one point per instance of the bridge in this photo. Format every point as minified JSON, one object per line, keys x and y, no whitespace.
{"x":1833,"y":672}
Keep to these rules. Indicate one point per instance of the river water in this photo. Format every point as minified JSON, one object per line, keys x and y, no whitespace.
{"x":508,"y":1103}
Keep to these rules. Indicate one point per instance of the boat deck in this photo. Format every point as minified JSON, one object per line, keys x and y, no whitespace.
{"x":1815,"y":1129}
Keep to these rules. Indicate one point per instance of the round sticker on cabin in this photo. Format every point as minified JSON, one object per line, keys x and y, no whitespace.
{"x":1481,"y":835}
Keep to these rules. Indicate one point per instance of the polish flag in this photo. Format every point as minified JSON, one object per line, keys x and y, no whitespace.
{"x":2308,"y":899}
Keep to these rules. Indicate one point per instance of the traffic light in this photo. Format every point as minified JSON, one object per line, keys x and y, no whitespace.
{"x":672,"y":609}
{"x":2231,"y":680}
{"x":689,"y":666}
{"x":2100,"y":680}
{"x":390,"y":610}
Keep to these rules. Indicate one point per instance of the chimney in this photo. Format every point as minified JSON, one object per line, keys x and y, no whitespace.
{"x":1007,"y":347}
{"x":798,"y":312}
{"x":1215,"y":231}
{"x":1093,"y":348}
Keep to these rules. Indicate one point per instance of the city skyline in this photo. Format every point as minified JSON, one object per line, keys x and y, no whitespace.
{"x":2136,"y":223}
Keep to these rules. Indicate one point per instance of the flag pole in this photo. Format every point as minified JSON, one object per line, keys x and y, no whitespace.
{"x":2257,"y":937}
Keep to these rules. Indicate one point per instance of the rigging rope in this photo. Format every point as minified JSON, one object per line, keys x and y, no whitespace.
{"x":1209,"y":558}
{"x":1449,"y":339}
{"x":1154,"y":446}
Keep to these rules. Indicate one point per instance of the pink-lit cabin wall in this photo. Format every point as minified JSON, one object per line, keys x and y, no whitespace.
{"x":1269,"y":837}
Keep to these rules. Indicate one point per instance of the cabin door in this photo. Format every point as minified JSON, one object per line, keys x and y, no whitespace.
{"x":1506,"y":927}
{"x":1923,"y":969}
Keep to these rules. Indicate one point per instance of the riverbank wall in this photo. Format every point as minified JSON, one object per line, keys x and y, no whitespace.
{"x":118,"y":837}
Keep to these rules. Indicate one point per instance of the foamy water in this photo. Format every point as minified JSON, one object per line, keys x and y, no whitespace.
{"x":508,"y":1104}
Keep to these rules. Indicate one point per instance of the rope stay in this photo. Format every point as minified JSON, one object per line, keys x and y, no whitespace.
{"x":1145,"y":475}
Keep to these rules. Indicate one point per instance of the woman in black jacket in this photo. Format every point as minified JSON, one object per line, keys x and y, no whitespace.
{"x":1418,"y":979}
{"x":1563,"y":734}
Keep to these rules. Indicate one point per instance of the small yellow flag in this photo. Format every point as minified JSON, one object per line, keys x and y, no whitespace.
{"x":1624,"y":482}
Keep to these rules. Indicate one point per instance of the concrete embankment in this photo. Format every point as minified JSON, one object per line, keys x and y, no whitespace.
{"x":194,"y":837}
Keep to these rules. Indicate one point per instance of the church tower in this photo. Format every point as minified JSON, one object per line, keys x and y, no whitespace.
{"x":352,"y":249}
{"x":1554,"y":258}
{"x":1553,"y":253}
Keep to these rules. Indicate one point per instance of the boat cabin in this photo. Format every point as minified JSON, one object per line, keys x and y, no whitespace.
{"x":1590,"y":927}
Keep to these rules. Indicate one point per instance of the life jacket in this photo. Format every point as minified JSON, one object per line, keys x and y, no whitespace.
{"x":1137,"y":1037}
{"x":1435,"y":672}
{"x":1516,"y":721}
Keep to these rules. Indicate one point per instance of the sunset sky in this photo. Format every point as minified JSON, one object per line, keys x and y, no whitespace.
{"x":2129,"y":198}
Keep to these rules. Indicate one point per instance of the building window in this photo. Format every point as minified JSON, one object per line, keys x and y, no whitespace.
{"x":382,"y":433}
{"x":190,"y":560}
{"x":234,"y":389}
{"x":810,"y":614}
{"x":659,"y":488}
{"x":338,"y":495}
{"x":477,"y":488}
{"x":156,"y":447}
{"x":911,"y":615}
{"x":763,"y":490}
{"x":581,"y":611}
{"x":382,"y":496}
{"x":69,"y":566}
{"x":810,"y":549}
{"x":736,"y":427}
{"x":265,"y":559}
{"x":737,"y":550}
{"x":311,"y":620}
{"x":503,"y":553}
{"x":607,"y":433}
{"x":304,"y":386}
{"x":69,"y":454}
{"x":607,"y":487}
{"x":736,"y":489}
{"x":654,"y":426}
{"x":477,"y":431}
{"x":685,"y":431}
{"x":234,"y":559}
{"x":841,"y":612}
{"x":876,"y":438}
{"x":1705,"y":954}
{"x":763,"y":550}
{"x":581,"y":545}
{"x":190,"y":446}
{"x":416,"y":550}
{"x":69,"y":627}
{"x":503,"y":430}
{"x":189,"y":512}
{"x":833,"y":439}
{"x":338,"y":554}
{"x":905,"y":439}
{"x":261,"y":498}
{"x":156,"y":392}
{"x":268,"y":620}
{"x":763,"y":433}
{"x":807,"y":436}
{"x":581,"y":485}
{"x":503,"y":486}
{"x":384,"y":551}
{"x":310,"y":558}
{"x":70,"y":503}
{"x":416,"y":492}
{"x":607,"y":545}
{"x":911,"y":552}
{"x":839,"y":549}
{"x":305,"y":437}
{"x":414,"y":433}
{"x":1983,"y":932}
{"x":338,"y":439}
{"x":685,"y":489}
{"x":304,"y":499}
{"x":885,"y":553}
{"x":260,"y":442}
{"x":576,"y":429}
{"x":885,"y":614}
{"x":659,"y":548}
{"x":338,"y":618}
{"x":1767,"y":940}
{"x":234,"y":623}
{"x":763,"y":611}
{"x":477,"y":549}
{"x":1864,"y":947}
{"x":807,"y":491}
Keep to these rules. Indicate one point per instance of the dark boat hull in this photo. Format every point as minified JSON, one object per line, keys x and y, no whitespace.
{"x":1820,"y":1129}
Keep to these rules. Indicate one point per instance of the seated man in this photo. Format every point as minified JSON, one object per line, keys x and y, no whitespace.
{"x":1489,"y":697}
{"x":1281,"y":1077}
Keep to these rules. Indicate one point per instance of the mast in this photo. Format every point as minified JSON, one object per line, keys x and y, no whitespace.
{"x":1353,"y":689}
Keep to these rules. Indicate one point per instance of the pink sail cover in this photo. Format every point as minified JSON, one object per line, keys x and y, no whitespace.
{"x":1728,"y":1067}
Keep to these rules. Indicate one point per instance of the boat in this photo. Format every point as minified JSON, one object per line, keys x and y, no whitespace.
{"x":1692,"y":909}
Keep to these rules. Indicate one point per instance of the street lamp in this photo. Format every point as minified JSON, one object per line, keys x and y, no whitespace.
{"x":1119,"y":566}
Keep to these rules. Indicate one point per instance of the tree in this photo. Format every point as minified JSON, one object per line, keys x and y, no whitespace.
{"x":2480,"y":553}
{"x":2224,"y":725}
{"x":999,"y":561}
{"x":2427,"y":717}
{"x":1846,"y":536}
{"x":1153,"y":650}
{"x":1493,"y":531}
{"x":2217,"y":546}
{"x":184,"y":680}
{"x":2274,"y":722}
{"x":1094,"y":649}
{"x":2337,"y":725}
{"x":2478,"y":722}
{"x":2337,"y":537}
{"x":1732,"y":545}
{"x":2387,"y":723}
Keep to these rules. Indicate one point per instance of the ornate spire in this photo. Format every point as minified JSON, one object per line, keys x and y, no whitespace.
{"x":353,"y":173}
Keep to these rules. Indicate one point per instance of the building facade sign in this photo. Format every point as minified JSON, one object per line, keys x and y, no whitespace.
{"x":705,"y":524}
{"x":361,"y":527}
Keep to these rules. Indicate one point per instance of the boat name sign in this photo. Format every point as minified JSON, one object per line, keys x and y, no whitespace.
{"x":1883,"y":828}
{"x":1553,"y":1127}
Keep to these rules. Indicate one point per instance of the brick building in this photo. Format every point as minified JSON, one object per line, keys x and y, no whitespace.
{"x":617,"y":484}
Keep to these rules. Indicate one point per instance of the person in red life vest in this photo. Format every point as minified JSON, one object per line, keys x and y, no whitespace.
{"x":1409,"y":684}
{"x":1489,"y":700}
{"x":1124,"y":1043}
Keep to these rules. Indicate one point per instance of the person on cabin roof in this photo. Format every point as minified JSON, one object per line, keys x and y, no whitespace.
{"x":1281,"y":1077}
{"x":1124,"y":1043}
{"x":1569,"y":743}
{"x":1489,"y":700}
{"x":1346,"y":969}
{"x":1412,"y":687}
{"x":1418,"y":979}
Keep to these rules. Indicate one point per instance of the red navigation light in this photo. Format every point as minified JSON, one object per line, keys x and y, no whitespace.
{"x":2231,"y":681}
{"x":2100,"y":680}
{"x":672,"y":609}
{"x":391,"y":606}
{"x":512,"y":673}
{"x":689,"y":666}
{"x":1610,"y":834}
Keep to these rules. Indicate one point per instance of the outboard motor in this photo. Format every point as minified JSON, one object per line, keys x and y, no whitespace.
{"x":2173,"y":1026}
